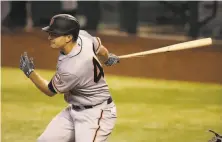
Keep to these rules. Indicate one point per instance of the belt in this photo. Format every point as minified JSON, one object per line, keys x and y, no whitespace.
{"x":110,"y":100}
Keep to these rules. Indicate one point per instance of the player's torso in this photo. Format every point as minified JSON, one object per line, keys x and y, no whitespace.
{"x":92,"y":88}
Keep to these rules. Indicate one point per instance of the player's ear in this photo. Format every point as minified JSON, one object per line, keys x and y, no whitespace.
{"x":68,"y":38}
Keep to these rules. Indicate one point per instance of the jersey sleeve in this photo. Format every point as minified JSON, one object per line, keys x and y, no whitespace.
{"x":96,"y":44}
{"x":96,"y":40}
{"x":63,"y":82}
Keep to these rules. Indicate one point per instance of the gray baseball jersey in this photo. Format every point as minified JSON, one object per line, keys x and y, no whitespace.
{"x":80,"y":75}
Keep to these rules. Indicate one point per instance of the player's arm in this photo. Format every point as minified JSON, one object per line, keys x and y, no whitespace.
{"x":27,"y":66}
{"x":41,"y":83}
{"x":103,"y":54}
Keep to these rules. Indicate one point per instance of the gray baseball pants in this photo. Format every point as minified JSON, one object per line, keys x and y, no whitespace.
{"x":83,"y":125}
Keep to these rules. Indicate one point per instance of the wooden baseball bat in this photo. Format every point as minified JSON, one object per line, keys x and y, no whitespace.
{"x":175,"y":47}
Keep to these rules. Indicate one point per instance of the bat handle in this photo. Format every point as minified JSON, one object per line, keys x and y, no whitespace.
{"x":123,"y":57}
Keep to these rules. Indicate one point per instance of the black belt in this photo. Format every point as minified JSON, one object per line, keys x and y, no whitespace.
{"x":110,"y":100}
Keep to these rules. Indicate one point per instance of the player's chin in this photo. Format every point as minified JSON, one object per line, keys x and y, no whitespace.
{"x":53,"y":46}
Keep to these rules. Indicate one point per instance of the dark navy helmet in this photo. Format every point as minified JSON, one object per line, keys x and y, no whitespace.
{"x":63,"y":24}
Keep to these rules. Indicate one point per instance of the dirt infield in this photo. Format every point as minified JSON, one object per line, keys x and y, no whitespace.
{"x":198,"y":65}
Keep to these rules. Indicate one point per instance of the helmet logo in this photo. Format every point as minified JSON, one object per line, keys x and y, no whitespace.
{"x":52,"y":21}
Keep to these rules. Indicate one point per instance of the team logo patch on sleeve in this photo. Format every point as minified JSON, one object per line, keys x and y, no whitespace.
{"x":58,"y":79}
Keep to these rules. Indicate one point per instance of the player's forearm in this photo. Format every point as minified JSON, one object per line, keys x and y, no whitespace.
{"x":103,"y":54}
{"x":41,"y":83}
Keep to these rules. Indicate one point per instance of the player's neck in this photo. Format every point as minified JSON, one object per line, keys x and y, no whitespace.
{"x":68,"y":48}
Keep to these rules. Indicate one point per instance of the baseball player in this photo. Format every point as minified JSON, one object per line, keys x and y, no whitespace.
{"x":91,"y":113}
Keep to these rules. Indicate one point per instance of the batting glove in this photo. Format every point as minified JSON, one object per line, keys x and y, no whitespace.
{"x":112,"y":59}
{"x":216,"y":138}
{"x":26,"y":64}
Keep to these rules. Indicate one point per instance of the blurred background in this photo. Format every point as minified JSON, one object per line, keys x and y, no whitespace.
{"x":188,"y":18}
{"x":173,"y":96}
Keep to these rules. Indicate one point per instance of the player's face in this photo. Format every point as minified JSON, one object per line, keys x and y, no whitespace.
{"x":57,"y":41}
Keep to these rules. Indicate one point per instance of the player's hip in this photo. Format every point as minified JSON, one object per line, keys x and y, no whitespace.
{"x":87,"y":100}
{"x":108,"y":102}
{"x":105,"y":111}
{"x":94,"y":124}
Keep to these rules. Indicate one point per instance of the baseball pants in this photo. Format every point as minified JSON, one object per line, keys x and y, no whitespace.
{"x":83,"y":125}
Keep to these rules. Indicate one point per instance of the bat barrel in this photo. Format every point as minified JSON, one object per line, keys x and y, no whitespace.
{"x":175,"y":47}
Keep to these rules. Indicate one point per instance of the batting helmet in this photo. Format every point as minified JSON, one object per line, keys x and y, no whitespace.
{"x":63,"y":24}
